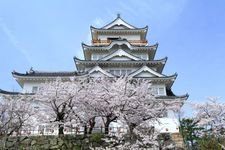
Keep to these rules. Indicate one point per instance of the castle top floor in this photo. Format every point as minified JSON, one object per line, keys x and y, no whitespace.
{"x":119,"y":29}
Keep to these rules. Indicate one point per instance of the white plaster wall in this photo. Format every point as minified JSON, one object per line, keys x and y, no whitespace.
{"x":27,"y":88}
{"x":158,"y":85}
{"x":163,"y":125}
{"x":121,"y":68}
{"x":1,"y":98}
{"x":167,"y":125}
{"x":98,"y":55}
{"x":87,"y":68}
{"x":128,"y":37}
{"x":103,"y":54}
{"x":172,"y":114}
{"x":117,"y":68}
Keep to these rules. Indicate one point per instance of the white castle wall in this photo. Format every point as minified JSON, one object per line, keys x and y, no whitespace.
{"x":28,"y":86}
{"x":128,"y":37}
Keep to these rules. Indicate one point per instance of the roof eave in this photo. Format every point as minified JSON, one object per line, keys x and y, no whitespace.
{"x":39,"y":78}
{"x":17,"y":78}
{"x":181,"y":97}
{"x":92,"y":32}
{"x":146,"y":32}
{"x":154,"y":50}
{"x":145,"y":29}
{"x":10,"y":92}
{"x":164,"y":60}
{"x":75,"y":59}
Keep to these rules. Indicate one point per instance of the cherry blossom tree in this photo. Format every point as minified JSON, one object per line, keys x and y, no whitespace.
{"x":84,"y":110}
{"x":16,"y":112}
{"x":104,"y":95}
{"x":16,"y":115}
{"x":126,"y":100}
{"x":57,"y":100}
{"x":211,"y":115}
{"x":81,"y":101}
{"x":140,"y":109}
{"x":82,"y":104}
{"x":131,"y":102}
{"x":110,"y":96}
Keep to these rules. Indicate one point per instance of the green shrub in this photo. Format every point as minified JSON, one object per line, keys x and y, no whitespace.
{"x":209,"y":143}
{"x":96,"y":139}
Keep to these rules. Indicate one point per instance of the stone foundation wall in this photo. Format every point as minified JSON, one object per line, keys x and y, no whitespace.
{"x":71,"y":142}
{"x":43,"y":143}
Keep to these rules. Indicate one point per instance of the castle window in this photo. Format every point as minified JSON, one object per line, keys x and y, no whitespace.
{"x":97,"y":56}
{"x":112,"y":38}
{"x":34,"y":89}
{"x":120,"y":72}
{"x":159,"y":91}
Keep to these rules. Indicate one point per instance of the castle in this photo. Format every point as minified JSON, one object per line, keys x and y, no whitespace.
{"x":117,"y":49}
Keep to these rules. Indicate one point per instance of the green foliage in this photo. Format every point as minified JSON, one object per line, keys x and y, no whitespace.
{"x":191,"y":132}
{"x":196,"y":137}
{"x":96,"y":139}
{"x":209,"y":143}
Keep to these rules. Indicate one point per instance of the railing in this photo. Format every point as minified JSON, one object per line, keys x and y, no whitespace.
{"x":138,"y":41}
{"x":69,"y":131}
{"x":109,"y":41}
{"x":101,"y":41}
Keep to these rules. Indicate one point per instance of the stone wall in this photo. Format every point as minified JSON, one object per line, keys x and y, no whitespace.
{"x":72,"y":142}
{"x":44,"y":143}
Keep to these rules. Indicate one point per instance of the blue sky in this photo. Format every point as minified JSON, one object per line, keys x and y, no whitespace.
{"x":46,"y":35}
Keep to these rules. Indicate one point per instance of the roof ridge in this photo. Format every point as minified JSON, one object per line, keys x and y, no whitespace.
{"x":117,"y":18}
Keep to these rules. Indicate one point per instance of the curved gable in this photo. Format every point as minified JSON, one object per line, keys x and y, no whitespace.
{"x":118,"y":22}
{"x":120,"y":55}
{"x":145,"y":72}
{"x":99,"y":72}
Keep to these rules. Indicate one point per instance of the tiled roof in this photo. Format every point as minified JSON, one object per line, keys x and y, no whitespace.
{"x":171,"y":95}
{"x":118,"y":17}
{"x":110,"y":29}
{"x":9,"y":92}
{"x":174,"y":97}
{"x":160,"y":61}
{"x":42,"y":73}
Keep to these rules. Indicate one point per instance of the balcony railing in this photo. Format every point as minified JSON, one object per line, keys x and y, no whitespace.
{"x":109,"y":41}
{"x":77,"y":131}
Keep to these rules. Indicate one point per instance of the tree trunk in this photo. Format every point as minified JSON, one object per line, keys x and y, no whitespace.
{"x":131,"y":130}
{"x":107,"y":126}
{"x":91,"y":124}
{"x":90,"y":130}
{"x":60,"y":129}
{"x":85,"y":130}
{"x":110,"y":118}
